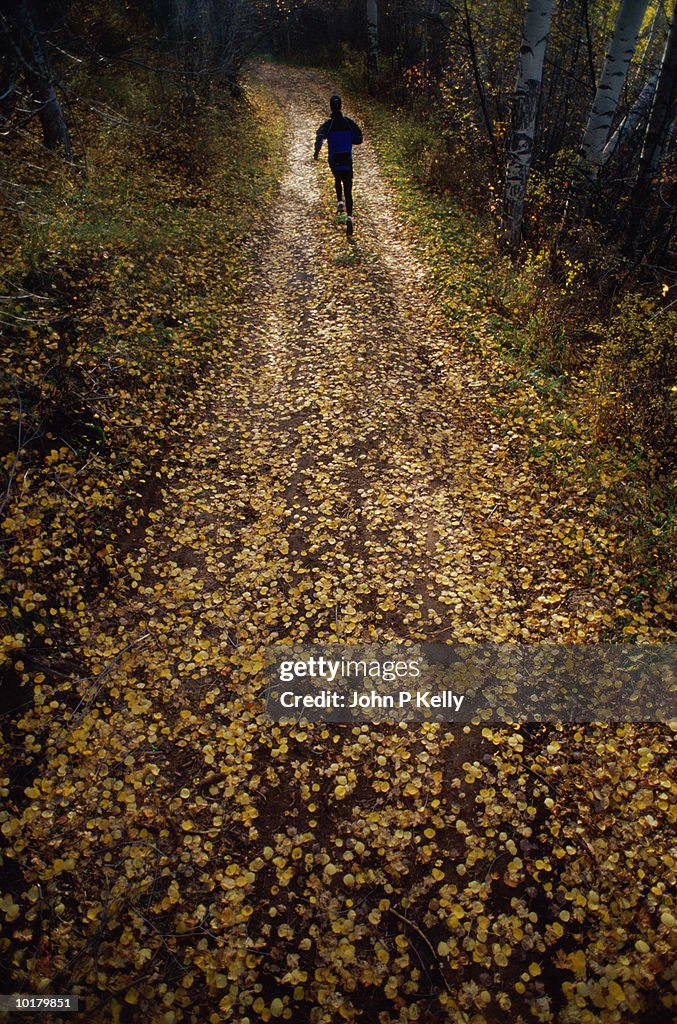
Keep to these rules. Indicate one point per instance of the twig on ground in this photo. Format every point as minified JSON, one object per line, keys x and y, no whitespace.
{"x":424,"y":938}
{"x":98,"y":682}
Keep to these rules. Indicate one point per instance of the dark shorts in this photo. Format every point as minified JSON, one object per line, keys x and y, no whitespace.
{"x":344,"y":175}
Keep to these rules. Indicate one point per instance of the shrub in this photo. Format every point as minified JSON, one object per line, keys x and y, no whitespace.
{"x":634,"y":388}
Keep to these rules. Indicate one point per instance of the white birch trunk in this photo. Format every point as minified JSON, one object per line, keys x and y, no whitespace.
{"x":662,"y":109}
{"x":621,"y":48}
{"x":655,"y":143}
{"x":524,"y":113}
{"x":637,"y":114}
{"x":372,"y":40}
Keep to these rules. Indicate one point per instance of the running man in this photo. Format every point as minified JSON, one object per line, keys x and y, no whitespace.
{"x":341,"y":134}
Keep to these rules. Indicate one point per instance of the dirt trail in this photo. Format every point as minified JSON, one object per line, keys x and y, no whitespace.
{"x":345,"y":483}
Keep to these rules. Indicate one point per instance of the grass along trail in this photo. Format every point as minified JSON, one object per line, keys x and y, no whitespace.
{"x":202,"y":863}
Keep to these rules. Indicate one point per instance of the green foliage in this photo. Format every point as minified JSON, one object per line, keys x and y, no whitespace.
{"x":548,"y":196}
{"x":422,"y":151}
{"x":635,"y":383}
{"x":142,"y":97}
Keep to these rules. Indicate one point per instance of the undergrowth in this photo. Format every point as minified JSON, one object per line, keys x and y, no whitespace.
{"x":585,"y":400}
{"x":121,"y":280}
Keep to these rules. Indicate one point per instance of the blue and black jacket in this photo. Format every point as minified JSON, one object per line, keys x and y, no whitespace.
{"x":341,"y":134}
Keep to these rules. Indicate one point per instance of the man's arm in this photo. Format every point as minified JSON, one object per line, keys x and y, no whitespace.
{"x":357,"y":134}
{"x":320,"y":137}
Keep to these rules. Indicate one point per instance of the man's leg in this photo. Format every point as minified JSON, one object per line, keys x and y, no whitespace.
{"x":337,"y":185}
{"x":348,"y":186}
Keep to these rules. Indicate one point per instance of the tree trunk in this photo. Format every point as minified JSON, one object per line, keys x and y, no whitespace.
{"x":634,"y":116}
{"x":656,"y":139}
{"x":372,"y":42}
{"x":662,"y":109}
{"x":479,"y":84}
{"x":433,"y":42}
{"x":41,"y":81}
{"x":524,"y":113}
{"x":621,"y":49}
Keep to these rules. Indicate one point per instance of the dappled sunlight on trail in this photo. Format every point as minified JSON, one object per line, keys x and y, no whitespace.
{"x":356,"y":492}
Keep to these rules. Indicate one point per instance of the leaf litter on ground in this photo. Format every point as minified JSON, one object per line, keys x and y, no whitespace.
{"x":176,"y":855}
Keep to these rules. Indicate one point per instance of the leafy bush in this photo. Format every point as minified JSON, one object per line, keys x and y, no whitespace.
{"x":635,"y":382}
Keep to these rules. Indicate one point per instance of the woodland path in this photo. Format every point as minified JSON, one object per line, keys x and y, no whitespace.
{"x":343,"y":484}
